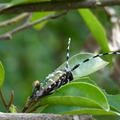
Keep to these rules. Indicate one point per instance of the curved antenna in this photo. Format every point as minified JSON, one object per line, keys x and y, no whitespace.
{"x":67,"y":54}
{"x":99,"y":55}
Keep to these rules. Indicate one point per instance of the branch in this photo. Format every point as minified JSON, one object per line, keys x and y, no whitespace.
{"x":57,"y":5}
{"x":13,"y":20}
{"x":28,"y":24}
{"x":21,"y":116}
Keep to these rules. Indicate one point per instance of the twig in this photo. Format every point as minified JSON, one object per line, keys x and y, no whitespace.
{"x":3,"y":99}
{"x":11,"y":99}
{"x":28,"y":18}
{"x":7,"y":106}
{"x":9,"y":34}
{"x":13,"y":20}
{"x":58,"y":5}
{"x":3,"y":6}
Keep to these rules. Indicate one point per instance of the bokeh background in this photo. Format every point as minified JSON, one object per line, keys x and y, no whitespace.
{"x":32,"y":54}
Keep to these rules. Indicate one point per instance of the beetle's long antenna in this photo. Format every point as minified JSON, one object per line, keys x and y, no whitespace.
{"x":99,"y":55}
{"x":67,"y":54}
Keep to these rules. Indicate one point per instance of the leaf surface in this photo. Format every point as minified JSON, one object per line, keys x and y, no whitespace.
{"x":59,"y":109}
{"x":2,"y":74}
{"x":95,"y":27}
{"x":78,"y":94}
{"x":86,"y":68}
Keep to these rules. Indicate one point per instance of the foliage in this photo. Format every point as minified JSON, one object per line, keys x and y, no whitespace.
{"x":84,"y":96}
{"x":32,"y":54}
{"x":96,"y":29}
{"x":2,"y":72}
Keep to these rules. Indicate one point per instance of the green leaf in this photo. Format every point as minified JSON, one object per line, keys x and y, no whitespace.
{"x":114,"y":101}
{"x":39,"y":15}
{"x":59,"y":109}
{"x":84,"y":79}
{"x":86,"y":68}
{"x":78,"y":94}
{"x":13,"y":109}
{"x":2,"y":73}
{"x":95,"y":27}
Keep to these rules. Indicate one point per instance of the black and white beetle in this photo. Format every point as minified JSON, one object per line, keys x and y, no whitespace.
{"x":59,"y":77}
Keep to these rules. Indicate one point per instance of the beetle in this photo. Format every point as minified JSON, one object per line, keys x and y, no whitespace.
{"x":56,"y":79}
{"x":59,"y":77}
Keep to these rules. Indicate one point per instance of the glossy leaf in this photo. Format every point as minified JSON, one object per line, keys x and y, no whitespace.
{"x":95,"y":27}
{"x":114,"y":101}
{"x":78,"y":94}
{"x":84,"y":79}
{"x":2,"y":73}
{"x":59,"y":109}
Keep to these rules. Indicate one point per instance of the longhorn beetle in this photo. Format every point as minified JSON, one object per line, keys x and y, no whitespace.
{"x":59,"y":77}
{"x":55,"y":80}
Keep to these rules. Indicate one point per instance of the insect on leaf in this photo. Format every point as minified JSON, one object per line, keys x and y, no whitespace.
{"x":86,"y":68}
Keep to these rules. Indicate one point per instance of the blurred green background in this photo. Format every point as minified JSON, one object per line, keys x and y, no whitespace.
{"x":32,"y":54}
